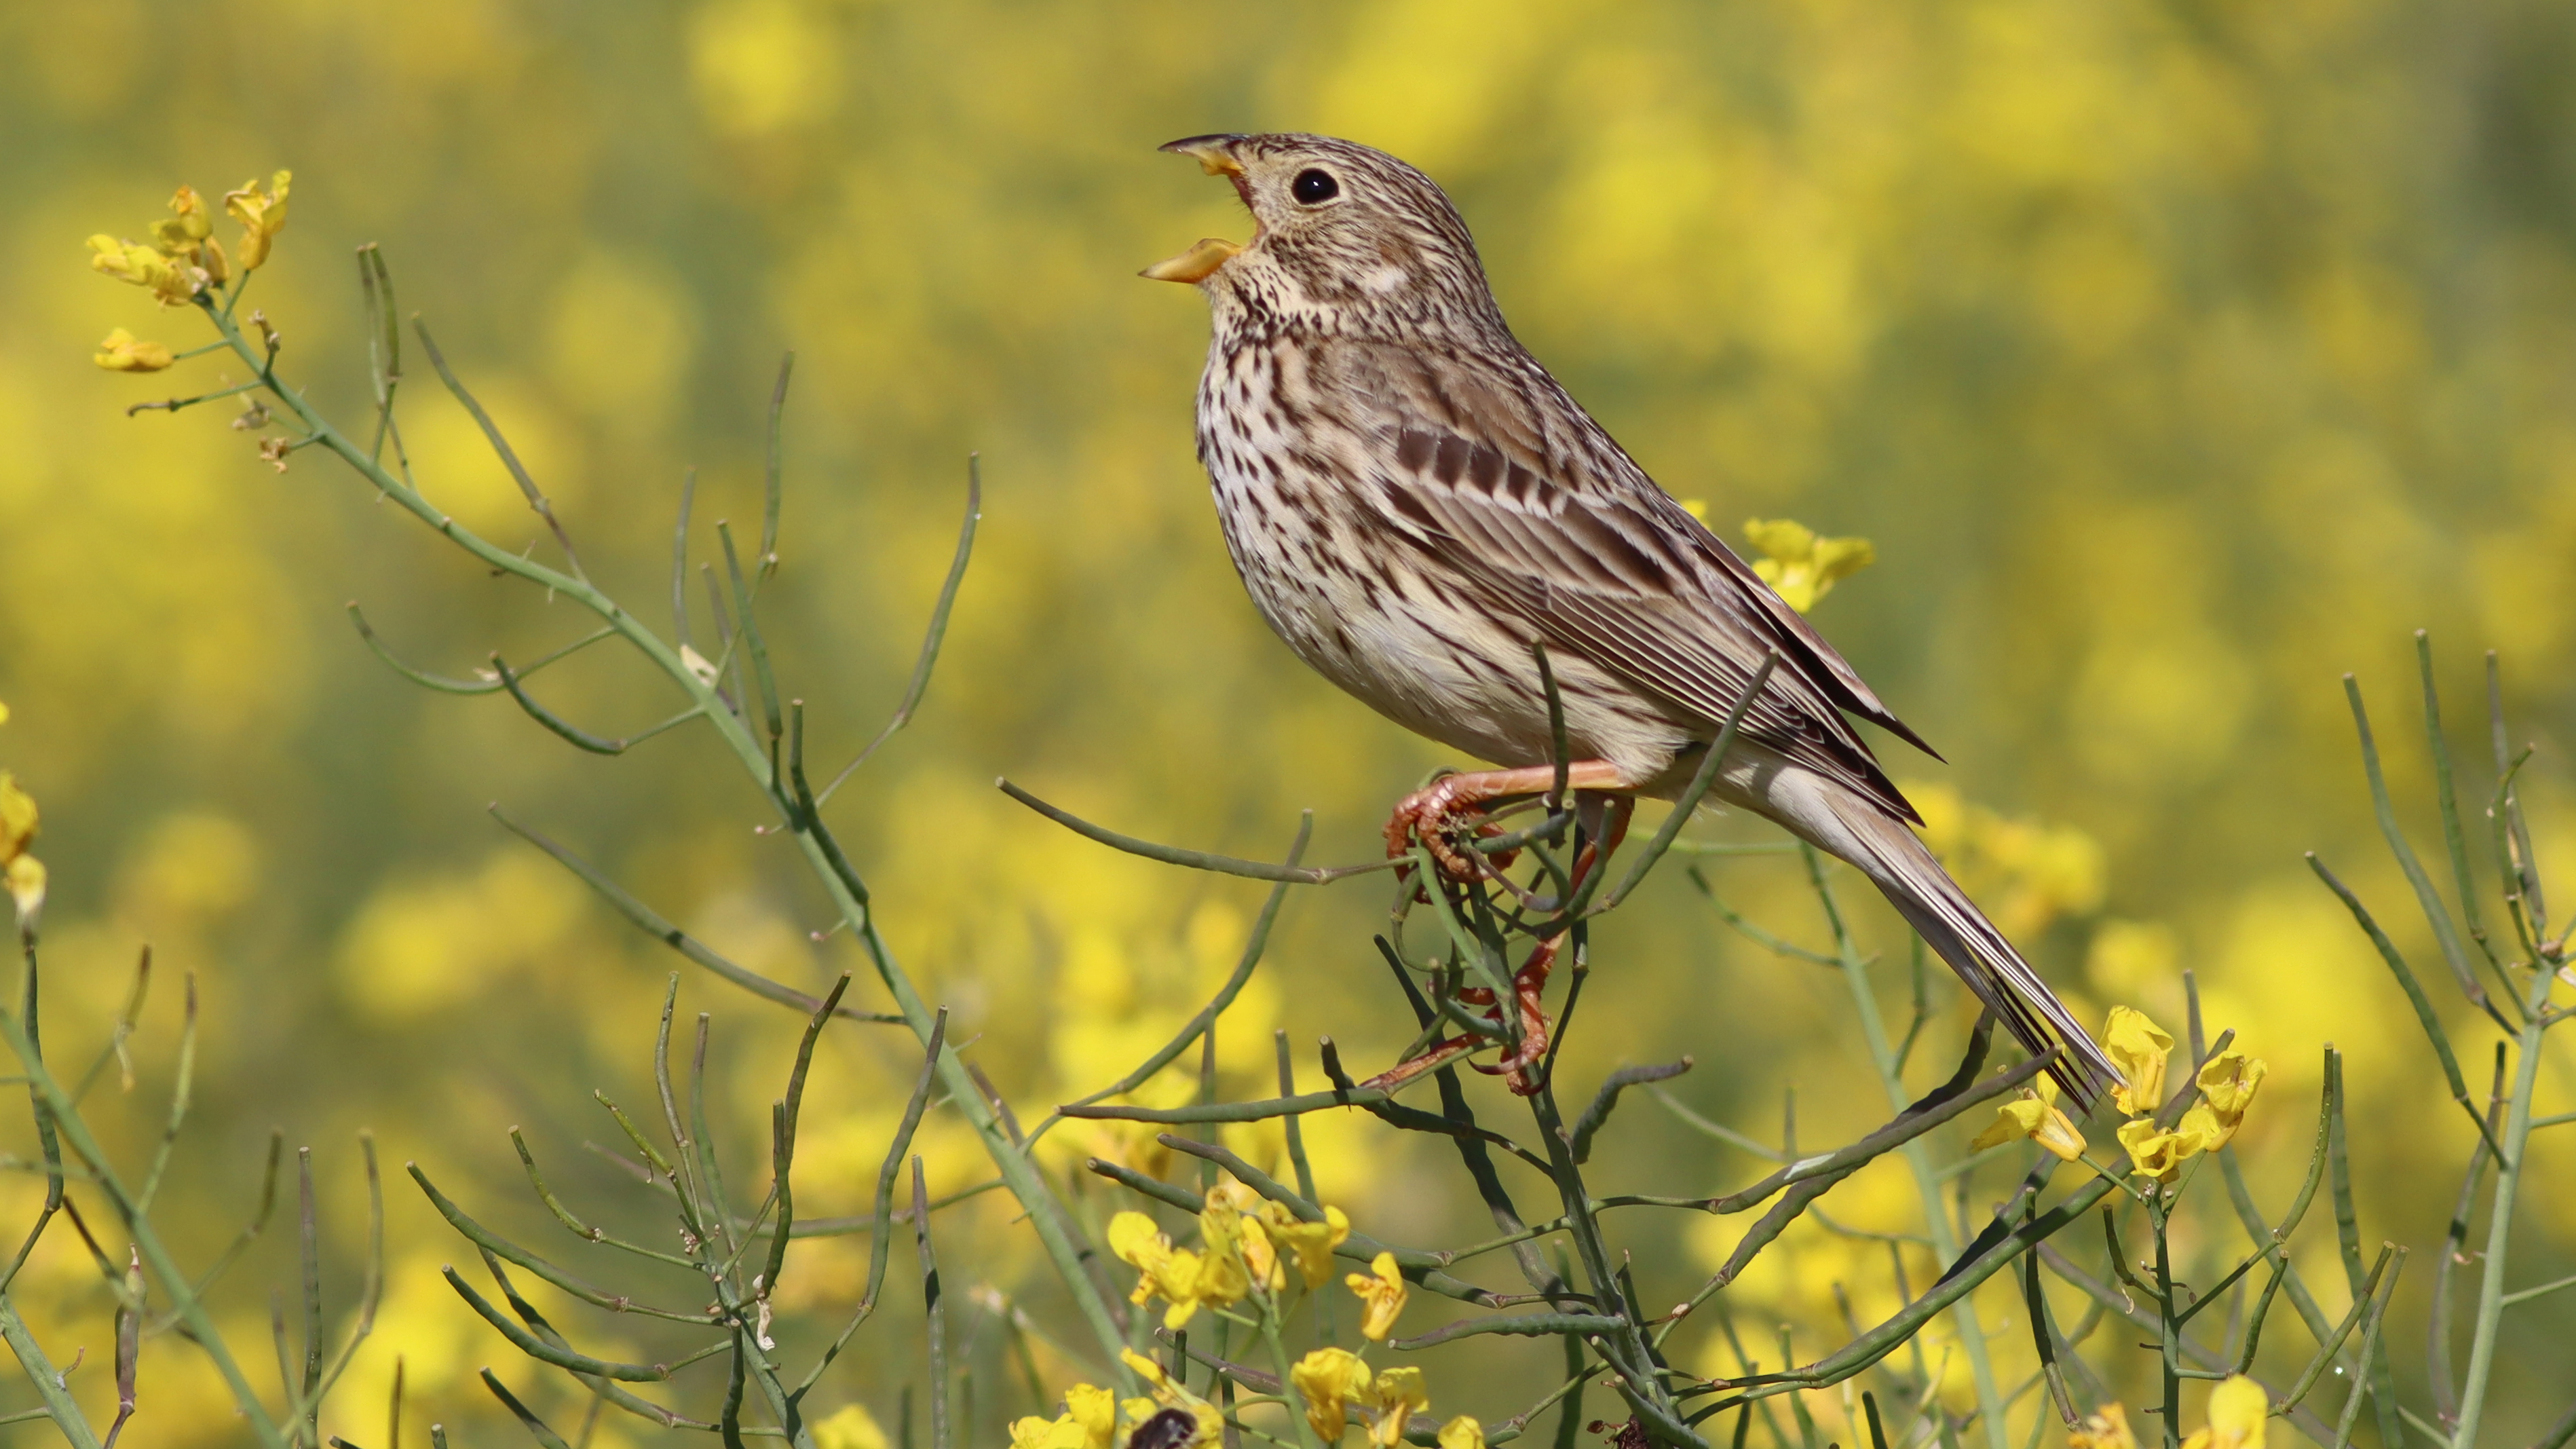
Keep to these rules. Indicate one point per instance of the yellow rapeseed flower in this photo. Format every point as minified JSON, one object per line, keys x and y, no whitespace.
{"x":1801,"y":566}
{"x":2158,"y":1153}
{"x":1334,"y":1381}
{"x":2139,"y":1048}
{"x":1312,"y":1244}
{"x":2035,"y":1115}
{"x":1094,"y":1417}
{"x":1170,"y":1395}
{"x":853,"y":1427}
{"x":2108,"y":1429}
{"x":1397,"y":1393}
{"x":189,"y":234}
{"x":171,"y":280}
{"x":1462,"y":1433}
{"x":1331,"y":1380}
{"x":26,"y":882}
{"x":1382,"y":1294}
{"x":1183,"y":1278}
{"x":261,"y":214}
{"x":1095,"y":1409}
{"x":1036,"y":1433}
{"x":19,"y":818}
{"x":120,"y":352}
{"x":1261,"y":1258}
{"x":2228,"y":1081}
{"x":2238,"y":1410}
{"x":1223,"y":1277}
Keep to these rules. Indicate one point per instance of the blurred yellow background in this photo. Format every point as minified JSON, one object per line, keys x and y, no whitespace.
{"x":2177,"y":358}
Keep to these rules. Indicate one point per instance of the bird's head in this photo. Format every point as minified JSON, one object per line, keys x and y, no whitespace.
{"x":1342,"y":236}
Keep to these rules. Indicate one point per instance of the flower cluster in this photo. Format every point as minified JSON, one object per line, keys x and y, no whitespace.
{"x":183,"y":260}
{"x":2225,"y":1084}
{"x":22,"y":873}
{"x":1246,"y":1242}
{"x":1251,"y":1247}
{"x":1801,"y":566}
{"x":2141,"y":1050}
{"x":1334,"y":1381}
{"x":1093,"y":1417}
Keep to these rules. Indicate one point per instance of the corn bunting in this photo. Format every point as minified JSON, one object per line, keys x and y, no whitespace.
{"x":1414,"y":503}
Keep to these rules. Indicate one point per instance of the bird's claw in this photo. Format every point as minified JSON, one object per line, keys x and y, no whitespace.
{"x":1436,"y":816}
{"x":1528,"y":984}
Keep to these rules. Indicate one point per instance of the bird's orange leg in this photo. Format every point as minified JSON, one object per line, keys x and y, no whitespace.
{"x":1431,"y":817}
{"x":1433,"y":814}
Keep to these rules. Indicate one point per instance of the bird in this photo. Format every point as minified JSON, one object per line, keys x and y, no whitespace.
{"x":1418,"y":508}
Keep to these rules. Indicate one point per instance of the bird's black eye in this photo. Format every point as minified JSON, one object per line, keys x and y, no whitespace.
{"x":1314,"y":188}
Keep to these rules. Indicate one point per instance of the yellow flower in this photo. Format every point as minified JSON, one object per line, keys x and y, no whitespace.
{"x":1169,"y":1395}
{"x":26,"y":880}
{"x":2157,"y":1153}
{"x":1222,"y":1275}
{"x":1462,"y":1433}
{"x":2035,"y":1115}
{"x":1036,"y":1433}
{"x":2228,"y":1081}
{"x":2238,"y":1409}
{"x":261,"y":213}
{"x":2139,"y":1048}
{"x":2201,"y":1130}
{"x":1312,"y":1243}
{"x":19,"y":818}
{"x":1331,"y":1380}
{"x":2108,"y":1429}
{"x":189,"y":217}
{"x":126,"y":261}
{"x":1181,"y":1277}
{"x":171,"y":281}
{"x":1397,"y":1393}
{"x":189,"y":235}
{"x":1382,"y":1291}
{"x":1801,"y":566}
{"x":853,"y":1427}
{"x":1260,"y":1259}
{"x":1096,"y":1411}
{"x":119,"y":352}
{"x":1144,"y":1368}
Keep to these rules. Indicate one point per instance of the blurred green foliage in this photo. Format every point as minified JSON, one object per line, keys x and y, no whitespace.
{"x":2176,"y":358}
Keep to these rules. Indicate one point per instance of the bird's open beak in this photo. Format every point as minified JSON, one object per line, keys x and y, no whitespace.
{"x":1195,"y":265}
{"x":1215,"y":156}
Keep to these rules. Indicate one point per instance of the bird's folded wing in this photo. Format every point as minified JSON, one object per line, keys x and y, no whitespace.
{"x":1618,"y":571}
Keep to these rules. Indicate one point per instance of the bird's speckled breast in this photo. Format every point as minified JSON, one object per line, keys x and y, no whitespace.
{"x":1358,"y":605}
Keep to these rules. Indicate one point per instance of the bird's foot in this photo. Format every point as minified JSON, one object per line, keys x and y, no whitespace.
{"x":1439,"y":815}
{"x":1514,"y":1068}
{"x":1448,"y":807}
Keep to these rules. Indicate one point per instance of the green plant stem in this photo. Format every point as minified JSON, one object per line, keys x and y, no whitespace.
{"x":46,"y":1379}
{"x":147,"y":1241}
{"x":2509,"y":1172}
{"x":1927,"y":1182}
{"x":821,"y":854}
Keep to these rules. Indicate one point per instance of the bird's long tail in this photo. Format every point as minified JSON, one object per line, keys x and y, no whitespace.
{"x":1845,"y":824}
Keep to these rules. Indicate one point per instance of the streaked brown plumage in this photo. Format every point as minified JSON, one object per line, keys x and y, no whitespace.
{"x":1412,"y":501}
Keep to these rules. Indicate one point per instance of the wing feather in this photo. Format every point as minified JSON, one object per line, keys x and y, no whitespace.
{"x":1572,"y":536}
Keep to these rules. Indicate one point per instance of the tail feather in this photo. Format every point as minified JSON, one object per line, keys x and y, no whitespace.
{"x":1906,"y":872}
